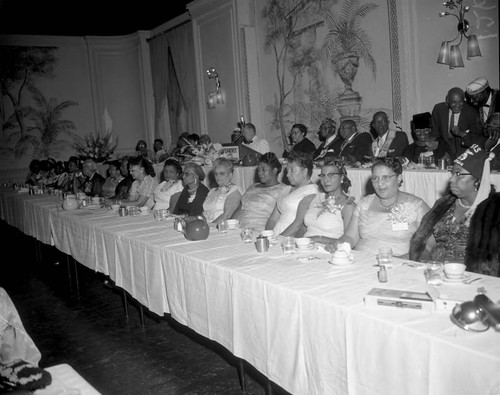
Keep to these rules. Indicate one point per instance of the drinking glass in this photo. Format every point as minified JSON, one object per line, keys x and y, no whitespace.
{"x":288,"y":245}
{"x":246,"y":235}
{"x":222,"y":226}
{"x":384,"y":256}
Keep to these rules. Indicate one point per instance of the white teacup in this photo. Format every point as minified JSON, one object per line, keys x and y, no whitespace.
{"x":232,"y":223}
{"x":267,"y":233}
{"x":454,"y":270}
{"x":303,"y":242}
{"x":96,"y":200}
{"x":144,"y":209}
{"x":115,"y":207}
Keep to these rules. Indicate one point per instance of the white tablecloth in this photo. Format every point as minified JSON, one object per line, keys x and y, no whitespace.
{"x":302,"y":324}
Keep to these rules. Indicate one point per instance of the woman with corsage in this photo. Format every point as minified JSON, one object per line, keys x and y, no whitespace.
{"x":194,"y":192}
{"x":451,"y":231}
{"x":386,"y":218}
{"x":259,"y":200}
{"x":330,"y":211}
{"x":168,"y":191}
{"x":223,"y":200}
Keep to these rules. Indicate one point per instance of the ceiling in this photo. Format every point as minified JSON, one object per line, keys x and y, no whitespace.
{"x":85,"y":18}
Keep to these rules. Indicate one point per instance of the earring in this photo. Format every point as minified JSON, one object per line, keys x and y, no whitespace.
{"x":476,"y":185}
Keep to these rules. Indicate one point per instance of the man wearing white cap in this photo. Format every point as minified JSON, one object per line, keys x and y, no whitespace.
{"x":484,"y":98}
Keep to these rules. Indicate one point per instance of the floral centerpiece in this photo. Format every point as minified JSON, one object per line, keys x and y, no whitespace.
{"x":208,"y":152}
{"x":97,"y":147}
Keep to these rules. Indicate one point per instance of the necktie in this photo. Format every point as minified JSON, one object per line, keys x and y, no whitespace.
{"x":452,"y":123}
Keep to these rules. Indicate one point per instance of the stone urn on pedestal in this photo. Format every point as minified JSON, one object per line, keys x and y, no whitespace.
{"x":349,"y":102}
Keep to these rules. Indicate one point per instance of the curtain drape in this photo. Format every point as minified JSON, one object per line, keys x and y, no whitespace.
{"x":181,"y":43}
{"x":158,"y":48}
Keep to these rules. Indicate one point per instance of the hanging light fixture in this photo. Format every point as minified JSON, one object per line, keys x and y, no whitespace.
{"x":215,"y":96}
{"x":450,"y":54}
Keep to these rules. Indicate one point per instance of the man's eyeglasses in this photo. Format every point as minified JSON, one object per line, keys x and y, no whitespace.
{"x":375,"y":179}
{"x":457,"y":174}
{"x":329,"y":175}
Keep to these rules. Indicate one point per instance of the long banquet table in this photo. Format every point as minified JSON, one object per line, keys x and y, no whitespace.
{"x":300,"y":322}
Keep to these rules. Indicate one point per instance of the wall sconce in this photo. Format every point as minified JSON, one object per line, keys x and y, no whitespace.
{"x":477,"y":315}
{"x":215,"y":96}
{"x":450,"y":54}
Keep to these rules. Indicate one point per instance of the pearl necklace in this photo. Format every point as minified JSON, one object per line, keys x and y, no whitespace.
{"x":463,"y":205}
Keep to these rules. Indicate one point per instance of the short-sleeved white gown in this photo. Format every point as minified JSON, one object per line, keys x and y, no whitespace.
{"x":288,"y":204}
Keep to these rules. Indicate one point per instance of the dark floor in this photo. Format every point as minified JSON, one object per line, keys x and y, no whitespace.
{"x":93,"y":336}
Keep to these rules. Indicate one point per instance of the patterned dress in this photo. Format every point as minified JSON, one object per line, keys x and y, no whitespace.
{"x":451,"y":238}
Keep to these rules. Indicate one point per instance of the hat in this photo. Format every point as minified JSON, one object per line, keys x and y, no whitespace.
{"x":472,"y":160}
{"x":422,"y":121}
{"x":477,"y":86}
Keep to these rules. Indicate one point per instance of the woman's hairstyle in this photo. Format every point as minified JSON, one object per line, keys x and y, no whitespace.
{"x":391,"y":163}
{"x":194,"y":137}
{"x":115,"y":163}
{"x":271,"y":159}
{"x":345,"y":182}
{"x":175,"y":164}
{"x":301,"y":127}
{"x":223,"y":162}
{"x":301,"y":159}
{"x":142,"y":162}
{"x":141,"y":142}
{"x":205,"y":139}
{"x":196,"y":168}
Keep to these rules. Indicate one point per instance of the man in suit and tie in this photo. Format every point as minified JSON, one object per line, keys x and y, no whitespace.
{"x":355,"y":147}
{"x":457,"y":123}
{"x":330,"y":140}
{"x":481,"y":96}
{"x":389,"y":143}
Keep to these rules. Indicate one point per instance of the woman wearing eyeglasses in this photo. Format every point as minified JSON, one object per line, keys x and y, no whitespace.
{"x":445,"y":231}
{"x":387,"y":218}
{"x":330,"y":211}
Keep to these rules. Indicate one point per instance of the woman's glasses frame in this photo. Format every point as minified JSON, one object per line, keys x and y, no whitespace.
{"x":384,"y":179}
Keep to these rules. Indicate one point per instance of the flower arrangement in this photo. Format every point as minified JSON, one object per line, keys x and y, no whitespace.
{"x":403,"y":212}
{"x":209,"y":152}
{"x":97,"y":147}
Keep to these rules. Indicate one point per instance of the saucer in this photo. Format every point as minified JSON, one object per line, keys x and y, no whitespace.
{"x":309,"y":247}
{"x":458,"y":280}
{"x":144,"y":213}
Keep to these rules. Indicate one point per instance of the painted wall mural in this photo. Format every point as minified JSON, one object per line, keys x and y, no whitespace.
{"x":312,"y":43}
{"x":31,"y":125}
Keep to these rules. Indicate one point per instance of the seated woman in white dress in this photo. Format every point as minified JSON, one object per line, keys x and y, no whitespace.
{"x":259,"y":200}
{"x":386,"y":218}
{"x":287,"y":218}
{"x":167,"y":192}
{"x":223,"y":200}
{"x":144,"y":184}
{"x":330,"y":211}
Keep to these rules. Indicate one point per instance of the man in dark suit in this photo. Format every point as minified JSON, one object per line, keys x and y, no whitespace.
{"x":329,"y":138}
{"x":299,"y":141}
{"x":355,"y":147}
{"x":485,"y":99}
{"x":456,"y":122}
{"x":389,"y":143}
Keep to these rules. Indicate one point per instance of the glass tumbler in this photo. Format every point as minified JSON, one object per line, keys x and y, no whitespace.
{"x":288,"y":245}
{"x":246,"y":235}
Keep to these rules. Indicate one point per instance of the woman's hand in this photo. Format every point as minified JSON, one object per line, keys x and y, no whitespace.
{"x":332,"y":247}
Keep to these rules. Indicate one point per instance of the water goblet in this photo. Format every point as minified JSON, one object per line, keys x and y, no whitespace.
{"x":288,"y":245}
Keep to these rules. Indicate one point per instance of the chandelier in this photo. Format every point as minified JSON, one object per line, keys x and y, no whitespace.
{"x":450,"y":54}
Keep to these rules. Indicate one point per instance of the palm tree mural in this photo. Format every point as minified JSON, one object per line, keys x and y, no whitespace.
{"x":345,"y":44}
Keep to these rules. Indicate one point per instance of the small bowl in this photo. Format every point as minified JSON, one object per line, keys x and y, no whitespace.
{"x":454,"y":270}
{"x":232,"y":223}
{"x":302,"y":242}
